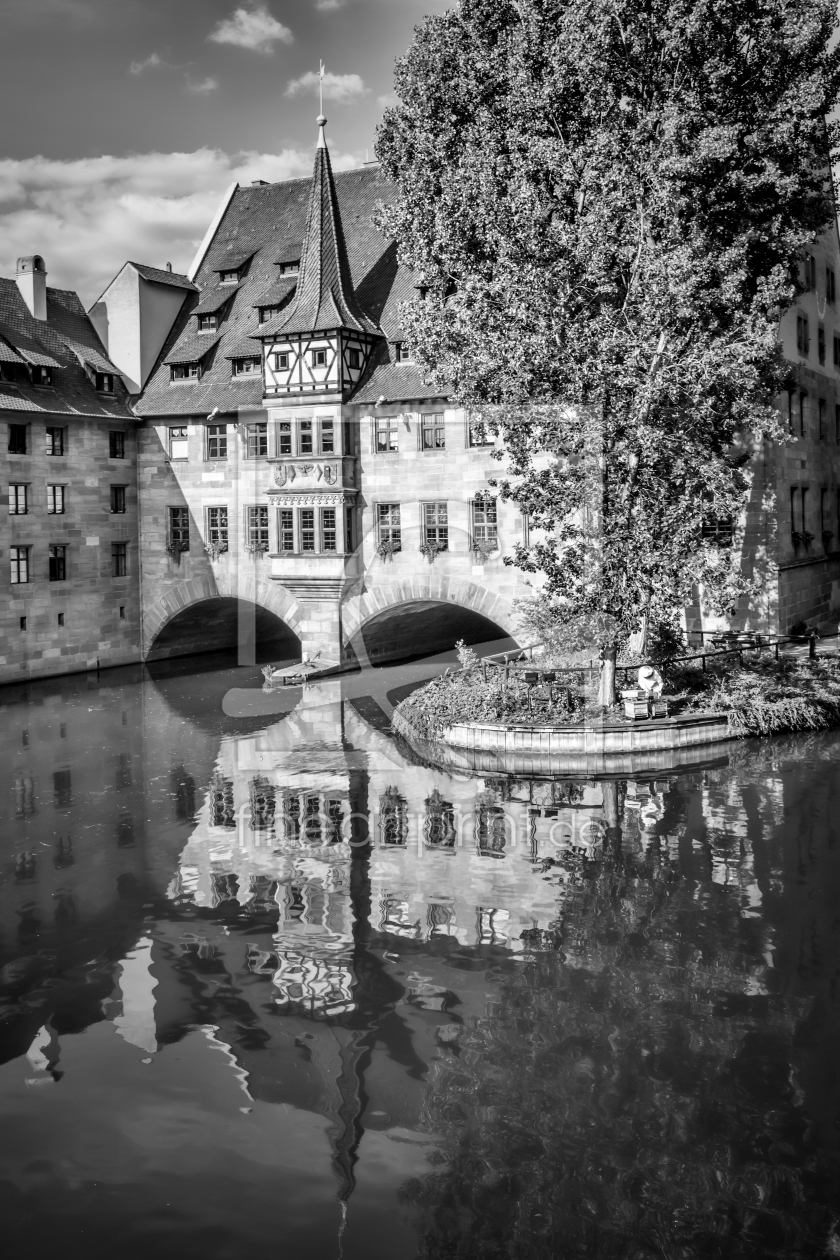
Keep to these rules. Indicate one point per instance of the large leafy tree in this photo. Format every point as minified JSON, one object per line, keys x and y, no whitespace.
{"x":607,"y":201}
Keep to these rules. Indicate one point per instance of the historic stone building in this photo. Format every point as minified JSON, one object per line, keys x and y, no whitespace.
{"x":293,"y":462}
{"x":68,"y":548}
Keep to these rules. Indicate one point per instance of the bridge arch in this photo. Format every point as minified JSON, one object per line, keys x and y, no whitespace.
{"x":211,"y":605}
{"x":388,"y":601}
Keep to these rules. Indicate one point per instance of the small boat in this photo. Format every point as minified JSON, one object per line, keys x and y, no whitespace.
{"x":299,"y":673}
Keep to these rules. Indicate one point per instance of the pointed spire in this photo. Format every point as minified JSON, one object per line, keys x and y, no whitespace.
{"x":324,"y":298}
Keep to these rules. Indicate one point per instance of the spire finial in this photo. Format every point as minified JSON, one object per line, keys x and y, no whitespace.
{"x":321,"y":120}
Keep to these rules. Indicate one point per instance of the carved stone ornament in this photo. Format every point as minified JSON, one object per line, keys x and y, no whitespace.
{"x":284,"y":473}
{"x":306,"y":470}
{"x":330,"y":474}
{"x":308,"y":500}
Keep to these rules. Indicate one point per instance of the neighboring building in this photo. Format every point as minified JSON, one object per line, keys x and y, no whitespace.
{"x":134,"y":316}
{"x":292,"y":459}
{"x":68,"y":550}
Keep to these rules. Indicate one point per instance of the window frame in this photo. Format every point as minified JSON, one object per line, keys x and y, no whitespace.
{"x":119,"y":496}
{"x":208,"y":322}
{"x":177,"y":433}
{"x":18,"y":493}
{"x":432,"y":425}
{"x":484,"y":522}
{"x":319,"y":357}
{"x":230,"y":276}
{"x":116,"y":444}
{"x":389,"y":526}
{"x":256,"y":440}
{"x":257,"y":527}
{"x":184,"y":373}
{"x":306,"y":530}
{"x":277,"y":365}
{"x":216,"y":526}
{"x":830,"y":286}
{"x":306,"y":436}
{"x":326,"y":435}
{"x":107,"y":387}
{"x":19,"y":564}
{"x":387,"y":428}
{"x":283,"y":437}
{"x":50,"y":441}
{"x":240,"y":372}
{"x":803,"y":335}
{"x":119,"y":559}
{"x":286,"y":530}
{"x":435,"y":523}
{"x":16,"y":433}
{"x":56,"y":499}
{"x":177,"y":528}
{"x":328,"y":530}
{"x":57,"y":562}
{"x":216,"y":433}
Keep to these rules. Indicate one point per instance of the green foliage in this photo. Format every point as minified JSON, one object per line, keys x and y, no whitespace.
{"x":766,"y":696}
{"x":606,"y":200}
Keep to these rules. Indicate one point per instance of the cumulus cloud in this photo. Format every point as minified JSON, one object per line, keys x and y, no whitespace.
{"x":87,"y":216}
{"x":329,"y":6}
{"x":341,"y":88}
{"x":202,"y":86}
{"x":152,"y":62}
{"x":389,"y":99}
{"x":253,"y":28}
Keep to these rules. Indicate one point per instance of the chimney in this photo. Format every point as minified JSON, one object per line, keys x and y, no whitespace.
{"x":31,"y":277}
{"x":169,"y":267}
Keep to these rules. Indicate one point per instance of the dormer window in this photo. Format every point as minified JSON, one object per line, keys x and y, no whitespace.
{"x":289,"y":268}
{"x":230,"y":277}
{"x":268,"y":312}
{"x":247,"y":367}
{"x":8,"y":372}
{"x":402,"y":354}
{"x":185,"y":371}
{"x":104,"y":382}
{"x":208,"y":323}
{"x":41,"y":375}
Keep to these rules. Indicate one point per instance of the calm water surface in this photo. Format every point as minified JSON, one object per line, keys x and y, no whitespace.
{"x":270,"y":985}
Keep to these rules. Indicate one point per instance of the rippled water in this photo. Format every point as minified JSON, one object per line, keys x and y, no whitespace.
{"x":270,"y":985}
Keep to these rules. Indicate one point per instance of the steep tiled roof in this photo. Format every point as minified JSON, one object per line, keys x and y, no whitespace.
{"x":396,"y":382}
{"x":231,"y":258}
{"x":277,"y":291}
{"x":213,"y":300}
{"x":270,"y":221}
{"x":160,"y":276}
{"x":192,"y":348}
{"x":65,"y":336}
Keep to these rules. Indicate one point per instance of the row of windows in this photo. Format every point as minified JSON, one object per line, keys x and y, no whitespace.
{"x":810,"y":267}
{"x":803,"y":342}
{"x":56,"y":443}
{"x":803,"y":525}
{"x":435,"y":524}
{"x":797,"y":404}
{"x":21,"y":562}
{"x":103,"y":382}
{"x":431,"y":434}
{"x":20,"y":499}
{"x":252,"y":365}
{"x":217,"y":528}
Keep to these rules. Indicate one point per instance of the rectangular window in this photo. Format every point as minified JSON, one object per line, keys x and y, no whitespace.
{"x":257,"y":438}
{"x":830,"y":287}
{"x":217,"y":527}
{"x":810,"y":272}
{"x":217,"y":441}
{"x":178,"y":444}
{"x":247,"y":367}
{"x":116,"y":444}
{"x":55,"y":500}
{"x":307,"y":529}
{"x":348,"y":529}
{"x":836,"y":352}
{"x":104,"y":382}
{"x":281,"y":361}
{"x":17,"y":439}
{"x":477,"y":434}
{"x":186,"y":371}
{"x":319,"y":358}
{"x":822,"y":420}
{"x":802,"y":397}
{"x":354,"y":359}
{"x":41,"y":375}
{"x":118,"y":500}
{"x":258,"y":528}
{"x":267,"y":313}
{"x":284,"y":437}
{"x":386,"y":434}
{"x":20,"y":565}
{"x":179,"y":529}
{"x":328,"y":532}
{"x":58,"y":563}
{"x":287,"y":529}
{"x":436,"y":525}
{"x":119,"y":559}
{"x":837,"y":423}
{"x":305,"y":442}
{"x":229,"y":277}
{"x":55,"y":441}
{"x":802,"y":337}
{"x":432,"y":433}
{"x":327,"y":436}
{"x":207,"y":323}
{"x":821,"y":344}
{"x":18,"y":500}
{"x":485,"y":527}
{"x":402,"y":354}
{"x":389,"y":529}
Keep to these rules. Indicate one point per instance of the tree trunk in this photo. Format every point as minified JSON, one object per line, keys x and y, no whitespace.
{"x":637,"y":645}
{"x":606,"y":688}
{"x":609,"y":788}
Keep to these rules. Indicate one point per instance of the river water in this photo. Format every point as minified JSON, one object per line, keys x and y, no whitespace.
{"x":272,"y":985}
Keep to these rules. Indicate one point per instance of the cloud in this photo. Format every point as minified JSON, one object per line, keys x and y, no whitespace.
{"x":388,"y":100}
{"x":88,"y":215}
{"x":152,"y":62}
{"x":341,"y":88}
{"x":329,"y":6}
{"x":203,"y":86}
{"x":253,"y":28}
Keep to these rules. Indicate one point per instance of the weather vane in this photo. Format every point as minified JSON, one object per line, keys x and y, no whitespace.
{"x":320,"y":87}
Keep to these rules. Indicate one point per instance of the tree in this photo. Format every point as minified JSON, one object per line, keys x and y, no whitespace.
{"x":606,"y":201}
